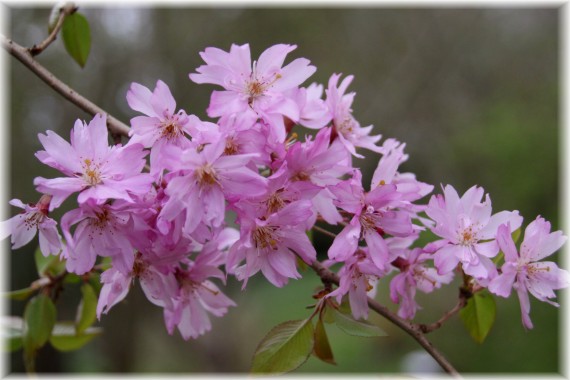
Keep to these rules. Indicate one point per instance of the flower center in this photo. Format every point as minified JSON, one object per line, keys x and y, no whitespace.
{"x":301,"y":176}
{"x":467,"y":237}
{"x":346,"y":127}
{"x":170,"y":130}
{"x":34,"y":219}
{"x":369,"y":218}
{"x":91,"y":172}
{"x":265,"y":237}
{"x":275,"y":202}
{"x":232,"y":147}
{"x":256,"y":87}
{"x":206,"y":175}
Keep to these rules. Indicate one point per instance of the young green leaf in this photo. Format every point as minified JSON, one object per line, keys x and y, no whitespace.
{"x":328,"y":314}
{"x":351,"y":326}
{"x":322,"y":349}
{"x":87,"y":310}
{"x":284,"y":348}
{"x":39,"y":318}
{"x":478,"y":315}
{"x":51,"y":265}
{"x":19,"y":295}
{"x":64,"y":338}
{"x":77,"y":37}
{"x":95,"y":282}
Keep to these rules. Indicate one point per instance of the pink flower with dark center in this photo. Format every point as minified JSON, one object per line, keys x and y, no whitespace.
{"x":375,"y":213}
{"x":161,"y":123}
{"x":197,"y":296}
{"x":414,"y":274}
{"x":273,"y":244}
{"x":92,"y":167}
{"x":34,"y":219}
{"x":469,"y":231}
{"x":253,"y":90}
{"x":102,"y":231}
{"x":523,"y":272}
{"x":346,"y":128}
{"x":358,"y":279}
{"x":206,"y":179}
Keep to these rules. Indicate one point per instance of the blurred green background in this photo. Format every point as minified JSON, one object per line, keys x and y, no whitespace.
{"x":473,"y":92}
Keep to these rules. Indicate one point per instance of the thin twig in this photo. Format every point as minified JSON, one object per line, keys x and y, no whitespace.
{"x":323,"y":231}
{"x":410,"y":328}
{"x":436,"y":325}
{"x":65,"y":10}
{"x":24,"y":56}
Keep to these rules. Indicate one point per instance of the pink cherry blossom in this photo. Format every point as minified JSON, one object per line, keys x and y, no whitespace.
{"x":161,"y":122}
{"x":102,"y":231}
{"x":469,"y":231}
{"x":34,"y":219}
{"x":523,"y":272}
{"x":253,"y":90}
{"x":346,"y":128}
{"x":272,"y":245}
{"x":92,"y":167}
{"x":358,"y":279}
{"x":414,"y":274}
{"x":375,"y":213}
{"x":197,"y":296}
{"x":206,"y":179}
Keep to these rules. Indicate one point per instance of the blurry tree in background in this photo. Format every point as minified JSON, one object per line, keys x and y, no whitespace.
{"x":473,"y":92}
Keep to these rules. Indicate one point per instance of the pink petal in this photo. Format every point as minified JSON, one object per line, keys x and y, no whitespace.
{"x":346,"y":242}
{"x":138,"y":98}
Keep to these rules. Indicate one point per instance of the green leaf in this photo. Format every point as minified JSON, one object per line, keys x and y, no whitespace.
{"x":72,"y":278}
{"x":351,"y":326}
{"x":284,"y":348}
{"x":87,"y":310}
{"x":328,"y":314}
{"x":64,"y":338}
{"x":51,"y":265}
{"x":39,"y":317}
{"x":19,"y":295}
{"x":322,"y":349}
{"x":95,"y":281}
{"x":77,"y":37}
{"x":478,"y":315}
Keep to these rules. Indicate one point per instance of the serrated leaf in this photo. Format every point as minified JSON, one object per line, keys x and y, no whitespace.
{"x":77,"y":37}
{"x":322,"y":349}
{"x":87,"y":310}
{"x":51,"y":265}
{"x":284,"y":348}
{"x":64,"y":338}
{"x":478,"y":315}
{"x":351,"y":326}
{"x":19,"y":295}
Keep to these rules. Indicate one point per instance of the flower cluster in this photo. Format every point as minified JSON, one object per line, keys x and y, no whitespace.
{"x":164,"y":219}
